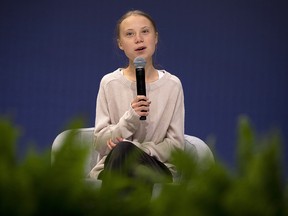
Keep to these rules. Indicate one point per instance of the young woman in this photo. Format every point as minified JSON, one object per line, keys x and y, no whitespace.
{"x":118,"y":130}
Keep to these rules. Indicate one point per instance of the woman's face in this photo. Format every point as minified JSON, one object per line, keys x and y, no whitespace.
{"x":137,"y":37}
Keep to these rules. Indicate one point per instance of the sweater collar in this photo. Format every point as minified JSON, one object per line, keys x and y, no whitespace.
{"x":149,"y":86}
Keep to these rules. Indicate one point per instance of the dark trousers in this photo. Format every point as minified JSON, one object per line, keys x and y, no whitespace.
{"x":128,"y":160}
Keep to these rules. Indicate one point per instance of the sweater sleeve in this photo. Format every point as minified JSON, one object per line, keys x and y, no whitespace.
{"x":175,"y":134}
{"x":105,"y":129}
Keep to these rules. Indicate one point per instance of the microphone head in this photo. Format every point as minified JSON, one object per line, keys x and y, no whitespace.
{"x":139,"y":62}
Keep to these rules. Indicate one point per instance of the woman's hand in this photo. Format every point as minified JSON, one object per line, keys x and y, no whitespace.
{"x":141,"y":104}
{"x":112,"y":144}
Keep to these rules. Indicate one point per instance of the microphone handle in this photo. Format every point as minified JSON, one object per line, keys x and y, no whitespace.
{"x":141,"y":86}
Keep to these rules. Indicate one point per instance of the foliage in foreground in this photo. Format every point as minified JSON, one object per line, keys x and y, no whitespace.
{"x":34,"y":187}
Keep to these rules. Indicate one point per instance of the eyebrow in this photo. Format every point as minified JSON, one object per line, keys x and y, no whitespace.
{"x":130,"y":29}
{"x":145,"y":27}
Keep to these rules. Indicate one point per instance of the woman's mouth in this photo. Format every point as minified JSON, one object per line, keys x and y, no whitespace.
{"x":140,"y":49}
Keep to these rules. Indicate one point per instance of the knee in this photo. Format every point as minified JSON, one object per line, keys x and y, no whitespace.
{"x":124,"y":146}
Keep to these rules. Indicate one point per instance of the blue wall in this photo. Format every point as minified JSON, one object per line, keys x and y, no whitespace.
{"x":232,"y":58}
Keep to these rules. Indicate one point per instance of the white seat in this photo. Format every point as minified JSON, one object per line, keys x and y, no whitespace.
{"x":85,"y":137}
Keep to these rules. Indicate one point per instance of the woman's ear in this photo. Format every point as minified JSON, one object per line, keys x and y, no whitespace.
{"x":156,"y":38}
{"x":119,"y":44}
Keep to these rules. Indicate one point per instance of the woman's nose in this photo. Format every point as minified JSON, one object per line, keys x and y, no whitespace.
{"x":138,"y":38}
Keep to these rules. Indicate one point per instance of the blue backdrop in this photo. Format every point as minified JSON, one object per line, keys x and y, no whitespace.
{"x":232,"y":58}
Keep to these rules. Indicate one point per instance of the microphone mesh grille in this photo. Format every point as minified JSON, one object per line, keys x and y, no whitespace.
{"x":139,"y":62}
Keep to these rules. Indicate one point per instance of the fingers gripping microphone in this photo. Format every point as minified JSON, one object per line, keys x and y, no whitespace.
{"x":139,"y":64}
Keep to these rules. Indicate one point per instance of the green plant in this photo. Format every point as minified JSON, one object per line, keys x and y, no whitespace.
{"x":33,"y":186}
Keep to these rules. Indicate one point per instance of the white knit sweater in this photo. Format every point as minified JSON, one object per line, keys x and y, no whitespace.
{"x":158,"y":135}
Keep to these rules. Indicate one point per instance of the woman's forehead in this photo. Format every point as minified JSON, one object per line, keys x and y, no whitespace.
{"x":135,"y":21}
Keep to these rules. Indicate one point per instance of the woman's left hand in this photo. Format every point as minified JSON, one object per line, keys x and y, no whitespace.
{"x":111,"y":144}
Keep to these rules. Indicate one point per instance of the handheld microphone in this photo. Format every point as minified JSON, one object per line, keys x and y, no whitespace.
{"x":139,"y":64}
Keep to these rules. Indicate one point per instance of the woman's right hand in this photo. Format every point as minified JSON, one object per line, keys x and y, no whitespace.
{"x":141,"y":104}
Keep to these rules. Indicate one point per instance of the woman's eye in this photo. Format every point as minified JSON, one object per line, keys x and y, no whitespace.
{"x":129,"y":34}
{"x":145,"y":31}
